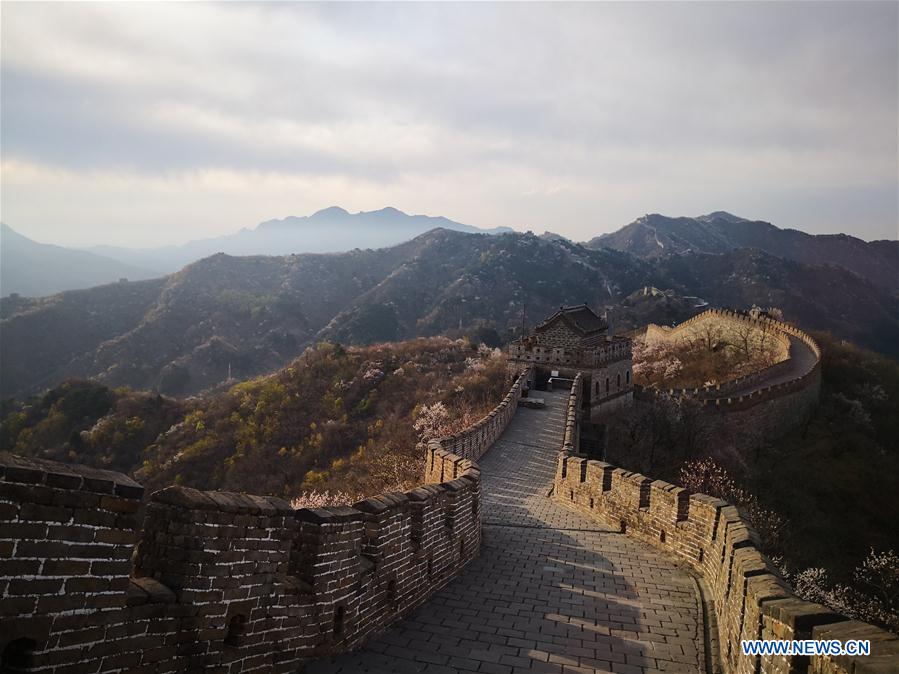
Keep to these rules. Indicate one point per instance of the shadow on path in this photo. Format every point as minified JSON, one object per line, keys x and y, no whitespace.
{"x":552,"y":590}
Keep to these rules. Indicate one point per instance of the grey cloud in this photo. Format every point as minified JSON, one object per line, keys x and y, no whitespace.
{"x":583,"y":93}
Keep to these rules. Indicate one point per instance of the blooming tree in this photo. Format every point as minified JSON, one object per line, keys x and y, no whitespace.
{"x":322,"y":499}
{"x":475,"y":365}
{"x":655,"y":361}
{"x":432,"y":422}
{"x":873,"y":597}
{"x":706,"y":476}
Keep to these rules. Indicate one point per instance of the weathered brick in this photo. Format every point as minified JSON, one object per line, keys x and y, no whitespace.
{"x":44,"y":513}
{"x":65,"y":567}
{"x":37,"y":586}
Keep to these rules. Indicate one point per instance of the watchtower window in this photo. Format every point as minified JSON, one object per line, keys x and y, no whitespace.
{"x":18,"y":656}
{"x":391,"y":592}
{"x":627,"y":377}
{"x":607,"y":384}
{"x":237,"y":627}
{"x":619,"y":380}
{"x":338,"y":620}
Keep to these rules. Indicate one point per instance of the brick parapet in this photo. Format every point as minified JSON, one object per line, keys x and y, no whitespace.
{"x":749,"y":598}
{"x":472,"y":442}
{"x":571,"y":438}
{"x":219,"y":581}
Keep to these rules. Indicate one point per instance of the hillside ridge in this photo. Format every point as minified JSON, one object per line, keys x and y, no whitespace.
{"x":654,"y":236}
{"x":249,"y":315}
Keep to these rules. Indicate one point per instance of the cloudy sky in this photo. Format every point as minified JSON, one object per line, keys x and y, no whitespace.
{"x":143,"y":124}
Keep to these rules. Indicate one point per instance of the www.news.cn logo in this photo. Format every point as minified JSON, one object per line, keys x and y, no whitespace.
{"x":831,"y":647}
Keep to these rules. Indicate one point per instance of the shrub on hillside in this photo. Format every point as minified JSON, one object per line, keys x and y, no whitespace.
{"x":872,"y":597}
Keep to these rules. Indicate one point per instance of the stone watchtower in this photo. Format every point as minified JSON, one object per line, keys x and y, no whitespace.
{"x":575,"y":339}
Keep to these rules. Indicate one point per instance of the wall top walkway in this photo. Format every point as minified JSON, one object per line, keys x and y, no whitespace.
{"x":552,"y":590}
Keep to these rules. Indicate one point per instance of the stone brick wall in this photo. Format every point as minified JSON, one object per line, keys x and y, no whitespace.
{"x":571,"y":438}
{"x":748,"y":425}
{"x":618,"y":376}
{"x":219,"y":581}
{"x":747,"y":596}
{"x":472,"y":442}
{"x":66,"y":536}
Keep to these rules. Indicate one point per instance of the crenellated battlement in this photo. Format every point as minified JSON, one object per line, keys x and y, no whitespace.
{"x":92,"y":575}
{"x":744,"y":592}
{"x":472,"y":442}
{"x":765,"y":403}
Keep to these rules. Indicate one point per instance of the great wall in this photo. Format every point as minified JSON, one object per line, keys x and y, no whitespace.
{"x":763,"y":404}
{"x":744,"y":594}
{"x":799,"y":367}
{"x":535,"y":559}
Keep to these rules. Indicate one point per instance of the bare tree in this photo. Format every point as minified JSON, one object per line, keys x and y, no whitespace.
{"x":710,"y":334}
{"x":744,"y":333}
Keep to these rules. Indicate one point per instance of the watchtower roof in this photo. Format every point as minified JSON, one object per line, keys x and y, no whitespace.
{"x":580,"y":318}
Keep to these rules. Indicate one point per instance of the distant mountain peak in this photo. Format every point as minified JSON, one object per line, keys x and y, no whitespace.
{"x":328,"y":230}
{"x":654,"y":235}
{"x":330,"y":211}
{"x":721,"y":215}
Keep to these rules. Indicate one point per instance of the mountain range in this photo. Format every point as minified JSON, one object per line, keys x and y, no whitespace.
{"x":35,"y":269}
{"x":656,"y":236}
{"x":235,"y":317}
{"x":327,"y":231}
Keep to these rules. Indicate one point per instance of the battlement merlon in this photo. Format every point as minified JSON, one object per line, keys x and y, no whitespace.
{"x":610,"y":350}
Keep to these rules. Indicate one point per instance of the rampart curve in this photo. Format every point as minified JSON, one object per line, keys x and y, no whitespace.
{"x":761,"y":405}
{"x":745,"y":596}
{"x":799,"y":369}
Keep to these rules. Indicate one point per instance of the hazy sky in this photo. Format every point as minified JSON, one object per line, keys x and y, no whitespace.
{"x":141,"y":124}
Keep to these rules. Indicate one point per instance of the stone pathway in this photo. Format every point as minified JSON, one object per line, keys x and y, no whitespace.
{"x":552,"y":590}
{"x":802,"y":360}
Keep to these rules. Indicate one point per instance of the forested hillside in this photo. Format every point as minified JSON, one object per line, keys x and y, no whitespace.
{"x":335,"y":419}
{"x":250,"y":315}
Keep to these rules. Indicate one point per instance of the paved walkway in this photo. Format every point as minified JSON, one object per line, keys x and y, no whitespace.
{"x":552,"y":590}
{"x":802,"y":360}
